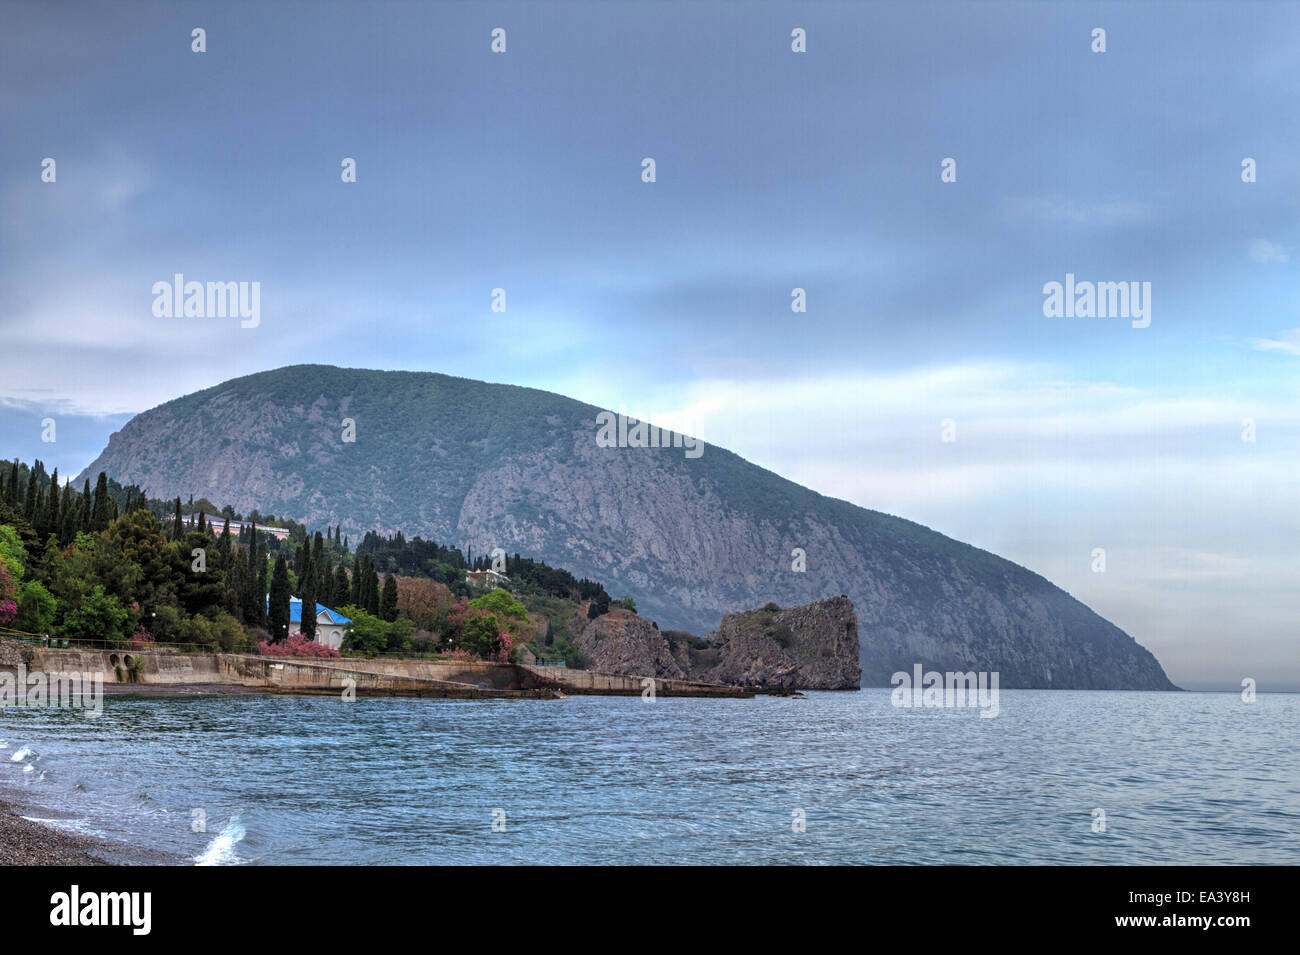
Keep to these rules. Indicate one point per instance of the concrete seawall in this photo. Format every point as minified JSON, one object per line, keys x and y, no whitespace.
{"x":449,"y":679}
{"x":591,"y":683}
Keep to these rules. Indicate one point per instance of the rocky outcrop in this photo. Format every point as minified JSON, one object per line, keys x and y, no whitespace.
{"x":810,"y":647}
{"x":623,"y":643}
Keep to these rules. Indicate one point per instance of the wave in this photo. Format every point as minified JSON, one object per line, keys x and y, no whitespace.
{"x":221,"y":850}
{"x":22,"y":754}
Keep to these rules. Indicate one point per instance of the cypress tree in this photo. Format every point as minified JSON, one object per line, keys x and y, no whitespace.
{"x":342,"y":590}
{"x":372,"y":592}
{"x":388,"y":602}
{"x":85,"y":506}
{"x":52,"y":506}
{"x":100,"y":513}
{"x":69,"y":518}
{"x":325,"y":584}
{"x":11,"y":489}
{"x":278,"y":613}
{"x":307,"y":591}
{"x":237,"y":584}
{"x":30,"y":501}
{"x":178,"y":526}
{"x":261,"y":585}
{"x":318,"y":559}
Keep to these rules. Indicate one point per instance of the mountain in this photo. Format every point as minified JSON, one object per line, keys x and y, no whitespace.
{"x":691,"y":538}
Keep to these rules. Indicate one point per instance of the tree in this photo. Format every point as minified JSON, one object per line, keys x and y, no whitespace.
{"x":482,"y":633}
{"x":8,"y":606}
{"x":365,"y":634}
{"x":178,"y":526}
{"x":341,"y":587}
{"x":500,"y":602}
{"x":307,"y":591}
{"x":36,"y":607}
{"x":421,"y":599}
{"x":372,"y":590}
{"x":598,"y":607}
{"x":136,"y":564}
{"x":101,"y":511}
{"x":50,"y":523}
{"x":98,"y":617}
{"x":278,"y":612}
{"x":388,"y":602}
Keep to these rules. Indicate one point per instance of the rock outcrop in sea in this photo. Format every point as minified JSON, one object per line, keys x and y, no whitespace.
{"x":810,"y":647}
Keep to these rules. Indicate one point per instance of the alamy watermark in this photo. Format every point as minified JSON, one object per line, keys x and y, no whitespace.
{"x":935,"y":689}
{"x":181,"y":299}
{"x":1073,"y":299}
{"x":621,"y":431}
{"x":61,"y":690}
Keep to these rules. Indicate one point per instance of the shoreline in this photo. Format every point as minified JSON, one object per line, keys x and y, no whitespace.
{"x":27,"y":842}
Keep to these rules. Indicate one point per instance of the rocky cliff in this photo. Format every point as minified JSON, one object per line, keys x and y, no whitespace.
{"x":691,"y":538}
{"x":811,"y":647}
{"x":621,"y":642}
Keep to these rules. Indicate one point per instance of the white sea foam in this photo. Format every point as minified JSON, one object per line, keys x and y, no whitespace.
{"x":78,"y":826}
{"x":22,"y":754}
{"x":221,"y":850}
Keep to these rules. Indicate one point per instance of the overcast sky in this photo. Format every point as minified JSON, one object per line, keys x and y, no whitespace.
{"x":775,"y":170}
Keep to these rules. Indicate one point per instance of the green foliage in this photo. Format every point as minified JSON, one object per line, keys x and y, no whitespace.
{"x":36,"y":608}
{"x":501,"y":603}
{"x":481,"y":634}
{"x":627,"y":603}
{"x":599,"y":607}
{"x":278,"y":612}
{"x":99,"y":617}
{"x":388,"y":600}
{"x":366,"y":634}
{"x":221,"y":633}
{"x":12,"y":552}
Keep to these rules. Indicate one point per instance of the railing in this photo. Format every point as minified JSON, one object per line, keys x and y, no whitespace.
{"x":99,"y":643}
{"x":550,"y":663}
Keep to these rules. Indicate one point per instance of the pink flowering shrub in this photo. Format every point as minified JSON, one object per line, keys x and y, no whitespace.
{"x":8,"y":608}
{"x":504,"y":647}
{"x":140,"y":638}
{"x":296,"y":645}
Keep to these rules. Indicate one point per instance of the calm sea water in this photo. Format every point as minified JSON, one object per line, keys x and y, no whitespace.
{"x":1182,"y":778}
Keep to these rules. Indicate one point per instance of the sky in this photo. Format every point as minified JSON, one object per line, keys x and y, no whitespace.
{"x":774,"y":170}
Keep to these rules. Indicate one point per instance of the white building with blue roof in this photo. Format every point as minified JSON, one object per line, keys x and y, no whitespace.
{"x":330,"y":624}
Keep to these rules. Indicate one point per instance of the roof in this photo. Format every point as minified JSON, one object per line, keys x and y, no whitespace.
{"x":295,"y":611}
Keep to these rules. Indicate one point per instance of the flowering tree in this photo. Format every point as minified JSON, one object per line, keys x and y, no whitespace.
{"x":8,"y":606}
{"x":140,"y":638}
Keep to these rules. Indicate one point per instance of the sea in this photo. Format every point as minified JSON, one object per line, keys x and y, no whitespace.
{"x":1056,"y":778}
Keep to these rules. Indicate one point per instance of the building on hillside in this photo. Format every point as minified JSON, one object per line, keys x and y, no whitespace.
{"x":237,"y":528}
{"x":486,"y":579}
{"x":330,"y":624}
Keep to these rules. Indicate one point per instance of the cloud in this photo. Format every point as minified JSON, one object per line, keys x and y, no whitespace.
{"x":1268,"y":253}
{"x":1081,"y":212}
{"x":1287,"y":341}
